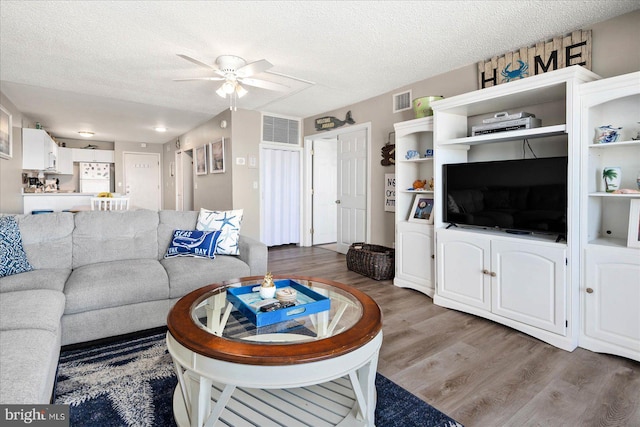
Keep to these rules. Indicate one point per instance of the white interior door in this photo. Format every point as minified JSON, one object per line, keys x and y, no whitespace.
{"x":142,"y":180}
{"x":352,"y":189}
{"x":187,"y":180}
{"x":179,"y":184}
{"x":325,"y":153}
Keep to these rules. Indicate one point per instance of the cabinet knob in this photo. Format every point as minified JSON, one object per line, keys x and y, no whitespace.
{"x":485,"y":271}
{"x":433,"y":257}
{"x":493,"y":274}
{"x":589,"y":290}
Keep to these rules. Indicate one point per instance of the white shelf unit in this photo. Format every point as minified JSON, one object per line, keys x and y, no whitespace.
{"x":610,"y":285}
{"x":414,"y":240}
{"x":512,"y":292}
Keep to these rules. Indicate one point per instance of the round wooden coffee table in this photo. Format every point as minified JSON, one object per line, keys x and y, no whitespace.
{"x":317,"y":369}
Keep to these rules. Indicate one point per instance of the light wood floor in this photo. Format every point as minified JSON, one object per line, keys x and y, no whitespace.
{"x":477,"y":371}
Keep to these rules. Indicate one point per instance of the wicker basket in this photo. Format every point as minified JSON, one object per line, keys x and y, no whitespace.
{"x":377,"y":262}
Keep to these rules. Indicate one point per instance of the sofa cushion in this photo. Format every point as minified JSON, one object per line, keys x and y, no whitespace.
{"x":170,"y":221}
{"x":33,"y":309}
{"x":47,"y":239}
{"x":46,"y":278}
{"x":193,"y":243}
{"x":104,"y":236}
{"x":29,"y":359}
{"x":116,"y":283}
{"x":13,"y":258}
{"x":188,"y":274}
{"x":228,"y":222}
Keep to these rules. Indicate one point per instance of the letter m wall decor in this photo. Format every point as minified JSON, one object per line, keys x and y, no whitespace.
{"x":561,"y":52}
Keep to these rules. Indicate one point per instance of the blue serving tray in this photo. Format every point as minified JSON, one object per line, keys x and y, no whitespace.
{"x":308,"y":302}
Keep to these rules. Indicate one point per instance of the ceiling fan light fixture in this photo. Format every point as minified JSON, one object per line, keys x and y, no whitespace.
{"x":228,"y":87}
{"x":240,"y":91}
{"x":221,"y":93}
{"x":85,"y":133}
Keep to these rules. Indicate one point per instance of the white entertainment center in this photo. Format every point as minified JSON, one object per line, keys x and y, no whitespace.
{"x":561,"y":289}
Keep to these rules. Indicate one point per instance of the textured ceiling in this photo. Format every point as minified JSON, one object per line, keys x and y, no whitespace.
{"x":108,"y":66}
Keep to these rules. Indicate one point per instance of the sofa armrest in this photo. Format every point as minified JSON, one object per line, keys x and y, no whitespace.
{"x":254,"y":253}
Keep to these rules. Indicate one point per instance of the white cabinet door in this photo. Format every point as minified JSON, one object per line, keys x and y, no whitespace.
{"x":528,"y":283}
{"x":65,"y":161}
{"x":462,"y":260}
{"x":612,"y":301}
{"x":86,"y":155}
{"x":33,"y":149}
{"x":414,"y":257}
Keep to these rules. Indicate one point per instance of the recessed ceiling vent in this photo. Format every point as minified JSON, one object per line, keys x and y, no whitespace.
{"x":278,"y":129}
{"x":402,"y":101}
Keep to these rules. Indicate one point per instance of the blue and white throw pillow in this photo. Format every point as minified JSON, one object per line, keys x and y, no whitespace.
{"x":193,"y":243}
{"x":228,"y":222}
{"x":13,"y":258}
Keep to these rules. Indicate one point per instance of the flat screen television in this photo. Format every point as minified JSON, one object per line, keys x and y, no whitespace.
{"x":518,"y":196}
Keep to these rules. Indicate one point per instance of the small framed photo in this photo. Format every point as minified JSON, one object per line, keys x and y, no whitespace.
{"x":201,"y":160}
{"x":633,"y":238}
{"x":6,"y":137}
{"x":216,"y":156}
{"x":422,"y":210}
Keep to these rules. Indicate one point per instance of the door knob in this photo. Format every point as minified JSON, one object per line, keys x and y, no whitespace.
{"x":492,"y":274}
{"x":485,"y":271}
{"x":589,"y":290}
{"x":337,"y":202}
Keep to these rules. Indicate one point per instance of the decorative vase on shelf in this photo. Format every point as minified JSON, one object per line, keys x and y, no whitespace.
{"x":612,"y":175}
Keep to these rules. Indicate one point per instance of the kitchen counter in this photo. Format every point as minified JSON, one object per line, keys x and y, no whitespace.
{"x":56,"y":202}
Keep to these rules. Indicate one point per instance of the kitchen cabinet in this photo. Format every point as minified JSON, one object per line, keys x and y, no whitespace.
{"x":513,"y":281}
{"x":39,"y":150}
{"x":65,"y":161}
{"x":87,"y":155}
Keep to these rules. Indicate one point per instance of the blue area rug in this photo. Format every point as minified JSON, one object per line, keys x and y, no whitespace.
{"x":131,"y":383}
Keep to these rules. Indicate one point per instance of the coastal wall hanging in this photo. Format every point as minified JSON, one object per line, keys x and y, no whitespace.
{"x":560,"y":52}
{"x":330,"y":122}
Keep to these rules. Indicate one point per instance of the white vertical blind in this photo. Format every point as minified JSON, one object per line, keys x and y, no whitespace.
{"x":281,"y":196}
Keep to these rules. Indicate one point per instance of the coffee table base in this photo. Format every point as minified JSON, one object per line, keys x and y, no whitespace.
{"x":335,"y":392}
{"x":329,"y":404}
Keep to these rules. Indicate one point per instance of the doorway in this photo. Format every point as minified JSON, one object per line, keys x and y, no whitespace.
{"x":184,"y":180}
{"x":142,"y":179}
{"x":352,"y":195}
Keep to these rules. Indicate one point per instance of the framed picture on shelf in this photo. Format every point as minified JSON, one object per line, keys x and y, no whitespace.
{"x":216,"y":156}
{"x":422,"y":210}
{"x":6,"y":139}
{"x":201,"y":160}
{"x":633,"y":238}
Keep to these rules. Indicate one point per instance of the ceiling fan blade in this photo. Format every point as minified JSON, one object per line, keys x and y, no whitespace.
{"x":197,"y":61}
{"x":254,"y":68}
{"x":263,"y":84}
{"x":200,"y":78}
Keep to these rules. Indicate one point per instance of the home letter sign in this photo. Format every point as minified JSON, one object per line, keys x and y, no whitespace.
{"x":561,"y":52}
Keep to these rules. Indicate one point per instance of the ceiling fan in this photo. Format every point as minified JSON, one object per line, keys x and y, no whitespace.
{"x":232,"y":70}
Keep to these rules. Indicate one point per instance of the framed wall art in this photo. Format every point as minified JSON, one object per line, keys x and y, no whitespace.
{"x":422,"y":209}
{"x":633,"y":238}
{"x":6,"y":137}
{"x":201,"y":160}
{"x":216,"y":156}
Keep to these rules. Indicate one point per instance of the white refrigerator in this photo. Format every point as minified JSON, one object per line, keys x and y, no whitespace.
{"x":95,"y":177}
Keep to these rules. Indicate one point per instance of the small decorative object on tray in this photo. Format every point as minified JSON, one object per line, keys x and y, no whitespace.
{"x":263,"y":312}
{"x":267,"y":289}
{"x":286,"y":295}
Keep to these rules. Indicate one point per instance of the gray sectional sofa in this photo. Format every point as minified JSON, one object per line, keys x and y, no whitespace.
{"x":97,"y":275}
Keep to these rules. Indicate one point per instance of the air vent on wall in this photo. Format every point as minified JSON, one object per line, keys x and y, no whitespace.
{"x":278,"y":129}
{"x":402,"y":101}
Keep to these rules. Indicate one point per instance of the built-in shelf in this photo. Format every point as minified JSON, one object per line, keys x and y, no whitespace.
{"x":609,"y":241}
{"x":417,"y":191}
{"x":615,"y":144}
{"x":541,"y":132}
{"x":622,"y":196}
{"x":416,"y":160}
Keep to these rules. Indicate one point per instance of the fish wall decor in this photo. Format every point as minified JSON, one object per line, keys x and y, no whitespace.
{"x":330,"y":122}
